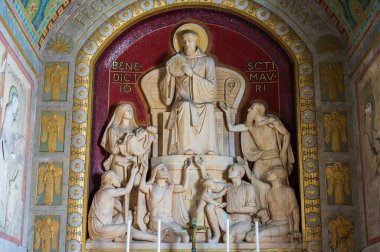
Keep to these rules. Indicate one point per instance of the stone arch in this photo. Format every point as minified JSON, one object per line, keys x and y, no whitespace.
{"x":287,"y":37}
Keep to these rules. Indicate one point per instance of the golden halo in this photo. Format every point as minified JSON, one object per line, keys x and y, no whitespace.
{"x":202,"y":36}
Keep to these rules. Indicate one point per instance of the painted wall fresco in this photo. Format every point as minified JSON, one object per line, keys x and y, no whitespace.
{"x":52,"y":131}
{"x":338,"y":183}
{"x":340,"y":230}
{"x":39,"y":15}
{"x":49,"y":183}
{"x":9,"y":25}
{"x":335,"y":131}
{"x":46,"y":233}
{"x":368,"y":91}
{"x":332,"y":81}
{"x":55,"y":85}
{"x":15,"y":105}
{"x":351,"y":17}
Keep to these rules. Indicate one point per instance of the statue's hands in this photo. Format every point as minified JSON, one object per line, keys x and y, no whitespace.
{"x":221,"y":205}
{"x":225,"y":189}
{"x":297,"y":235}
{"x":230,"y":209}
{"x":167,"y":68}
{"x":223,"y":106}
{"x":144,"y":165}
{"x":187,"y":163}
{"x":284,"y":156}
{"x":198,"y":161}
{"x":242,"y":161}
{"x":135,"y":170}
{"x":153,"y":137}
{"x":187,"y":70}
{"x":152,"y":129}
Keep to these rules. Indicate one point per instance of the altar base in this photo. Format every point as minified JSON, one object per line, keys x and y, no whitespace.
{"x":135,"y":246}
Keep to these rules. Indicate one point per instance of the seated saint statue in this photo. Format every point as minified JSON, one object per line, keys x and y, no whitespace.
{"x":264,"y":140}
{"x":280,"y":216}
{"x":189,"y":87}
{"x":241,"y":206}
{"x":105,"y":219}
{"x":164,"y":202}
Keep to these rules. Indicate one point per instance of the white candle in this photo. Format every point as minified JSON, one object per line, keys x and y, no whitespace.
{"x":228,"y":235}
{"x":257,"y":236}
{"x":128,"y":241}
{"x":158,"y":235}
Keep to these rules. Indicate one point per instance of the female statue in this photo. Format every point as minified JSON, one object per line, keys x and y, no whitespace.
{"x":121,"y":124}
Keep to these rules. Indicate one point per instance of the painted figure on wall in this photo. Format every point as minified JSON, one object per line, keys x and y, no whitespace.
{"x":15,"y":108}
{"x":49,"y":182}
{"x":52,"y":125}
{"x":332,"y":81}
{"x":12,"y":156}
{"x":368,"y":93}
{"x":15,"y":180}
{"x":373,"y":133}
{"x":46,"y":234}
{"x":340,"y":234}
{"x":335,"y":126}
{"x":8,"y":133}
{"x":189,"y":87}
{"x":56,"y":80}
{"x":338,"y":182}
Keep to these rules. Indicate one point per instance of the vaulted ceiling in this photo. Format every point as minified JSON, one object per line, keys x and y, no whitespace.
{"x":39,"y":16}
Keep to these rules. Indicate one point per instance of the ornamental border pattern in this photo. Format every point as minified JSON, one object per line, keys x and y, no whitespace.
{"x":77,"y":207}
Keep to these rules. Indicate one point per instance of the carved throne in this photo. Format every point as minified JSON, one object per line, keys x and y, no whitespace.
{"x":230,"y":88}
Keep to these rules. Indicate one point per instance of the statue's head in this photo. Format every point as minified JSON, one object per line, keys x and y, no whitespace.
{"x":162,"y":172}
{"x":124,"y":111}
{"x":256,"y":108}
{"x":189,"y":42}
{"x":110,"y":178}
{"x":277,"y":173}
{"x":208,"y":184}
{"x":127,"y":111}
{"x":236,"y":170}
{"x":159,"y":171}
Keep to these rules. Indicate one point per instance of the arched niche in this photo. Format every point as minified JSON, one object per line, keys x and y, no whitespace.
{"x":83,"y":93}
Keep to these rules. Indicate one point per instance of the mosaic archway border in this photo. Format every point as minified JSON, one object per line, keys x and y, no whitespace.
{"x":77,"y":205}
